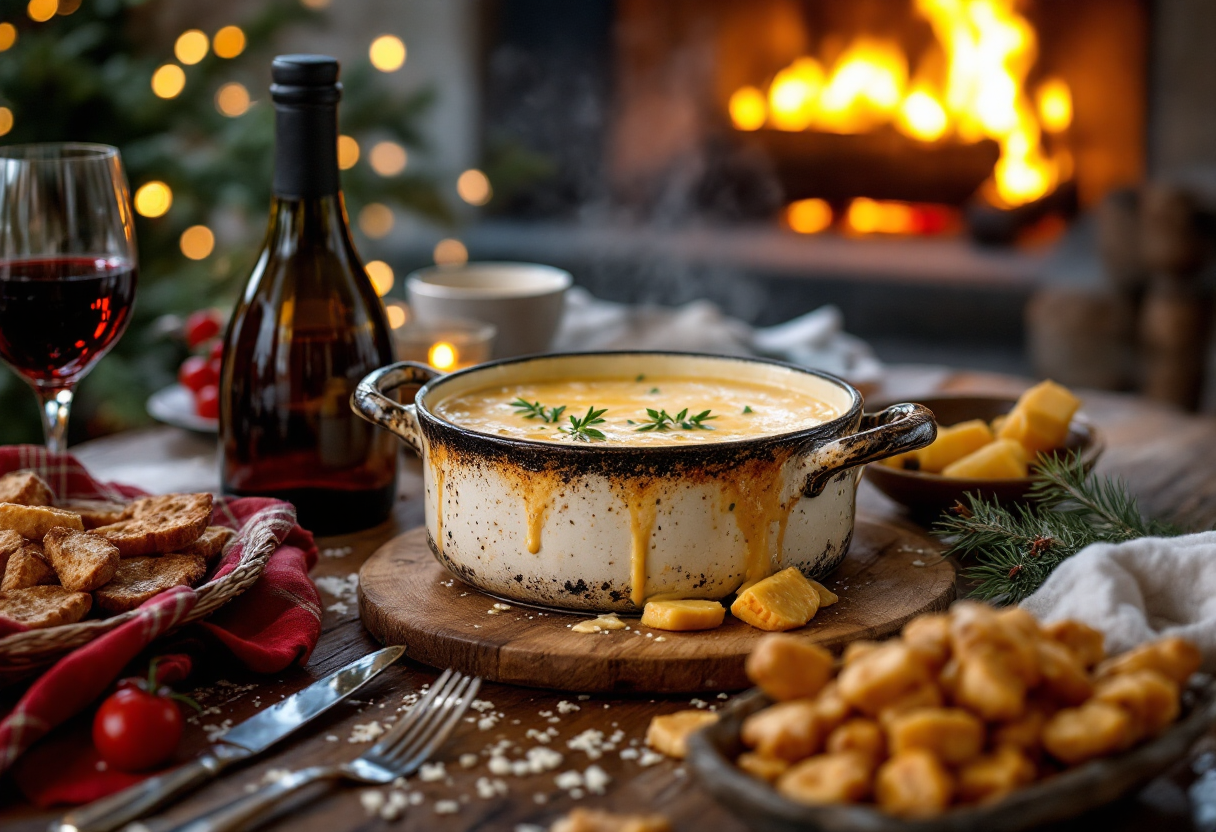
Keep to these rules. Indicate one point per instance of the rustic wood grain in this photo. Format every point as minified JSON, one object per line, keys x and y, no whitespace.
{"x":1168,"y":458}
{"x":406,"y":597}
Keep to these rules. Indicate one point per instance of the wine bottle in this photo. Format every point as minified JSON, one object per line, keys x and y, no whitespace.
{"x":308,"y":327}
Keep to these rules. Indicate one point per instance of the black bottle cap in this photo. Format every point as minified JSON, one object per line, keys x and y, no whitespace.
{"x":304,"y":70}
{"x":305,"y":93}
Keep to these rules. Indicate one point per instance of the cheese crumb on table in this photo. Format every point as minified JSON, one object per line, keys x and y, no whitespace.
{"x":366,"y":732}
{"x":430,"y":772}
{"x":446,"y":807}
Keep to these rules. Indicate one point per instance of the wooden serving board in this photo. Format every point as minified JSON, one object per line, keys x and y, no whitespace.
{"x":889,"y":575}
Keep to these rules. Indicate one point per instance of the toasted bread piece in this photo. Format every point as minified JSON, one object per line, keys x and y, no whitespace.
{"x":28,"y":567}
{"x":33,"y":522}
{"x":155,"y":525}
{"x":211,"y":544}
{"x":139,"y":578}
{"x":38,"y":607}
{"x":82,"y":561}
{"x":25,"y":488}
{"x":96,"y":513}
{"x":10,"y":543}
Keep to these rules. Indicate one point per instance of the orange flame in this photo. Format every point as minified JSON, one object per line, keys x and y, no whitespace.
{"x":988,"y":49}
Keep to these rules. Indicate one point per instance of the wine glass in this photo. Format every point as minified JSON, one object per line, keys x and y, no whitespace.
{"x":67,"y":268}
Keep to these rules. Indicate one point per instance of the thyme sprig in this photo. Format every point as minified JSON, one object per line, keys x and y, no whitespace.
{"x":533,"y":410}
{"x":1012,"y":549}
{"x":662,"y":420}
{"x":581,"y":429}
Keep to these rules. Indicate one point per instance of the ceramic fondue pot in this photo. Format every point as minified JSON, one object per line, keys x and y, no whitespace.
{"x":604,"y":527}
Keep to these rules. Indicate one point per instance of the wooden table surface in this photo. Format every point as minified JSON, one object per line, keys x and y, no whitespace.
{"x":1168,"y":458}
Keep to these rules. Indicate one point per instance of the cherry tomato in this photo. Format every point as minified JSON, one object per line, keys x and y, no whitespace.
{"x":196,"y":373}
{"x":216,"y":351}
{"x":136,"y":730}
{"x":216,"y":365}
{"x":201,"y":326}
{"x":207,"y":402}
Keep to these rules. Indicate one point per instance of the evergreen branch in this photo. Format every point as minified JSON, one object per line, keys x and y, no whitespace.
{"x":1012,"y":550}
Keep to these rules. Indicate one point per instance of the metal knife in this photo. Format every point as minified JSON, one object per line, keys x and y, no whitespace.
{"x":251,"y":737}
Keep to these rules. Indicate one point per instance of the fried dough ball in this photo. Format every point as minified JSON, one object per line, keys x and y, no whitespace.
{"x":761,"y":767}
{"x":859,"y":736}
{"x":668,"y":733}
{"x":929,"y":635}
{"x":951,"y":734}
{"x":882,"y":677}
{"x":828,"y":778}
{"x":994,"y":775}
{"x":926,"y":695}
{"x":1086,"y":643}
{"x":1149,"y":698}
{"x":1026,"y":732}
{"x":597,"y":820}
{"x":979,"y":632}
{"x":789,"y":731}
{"x":1174,"y":658}
{"x":913,"y":784}
{"x":986,"y":686}
{"x":1096,"y":729}
{"x":788,"y":667}
{"x":1064,"y":678}
{"x":854,"y":650}
{"x":831,"y":708}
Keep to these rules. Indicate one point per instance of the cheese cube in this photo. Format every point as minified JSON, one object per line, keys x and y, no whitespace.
{"x":954,"y":443}
{"x":779,"y":602}
{"x":683,"y":615}
{"x":909,"y":461}
{"x":1040,"y":419}
{"x":826,"y":596}
{"x":1003,"y":459}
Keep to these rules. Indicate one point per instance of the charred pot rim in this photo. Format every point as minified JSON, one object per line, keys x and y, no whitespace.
{"x":571,"y":461}
{"x":578,"y":459}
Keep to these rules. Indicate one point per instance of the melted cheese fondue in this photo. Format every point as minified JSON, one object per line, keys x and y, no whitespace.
{"x":737,"y":410}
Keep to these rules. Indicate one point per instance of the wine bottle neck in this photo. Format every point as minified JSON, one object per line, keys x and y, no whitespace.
{"x":316,"y":223}
{"x":306,"y":149}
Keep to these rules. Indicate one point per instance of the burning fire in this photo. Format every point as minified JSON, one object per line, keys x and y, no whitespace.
{"x":971,"y":86}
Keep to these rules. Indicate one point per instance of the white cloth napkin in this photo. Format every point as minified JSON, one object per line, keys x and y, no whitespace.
{"x":1138,"y":591}
{"x":816,"y":339}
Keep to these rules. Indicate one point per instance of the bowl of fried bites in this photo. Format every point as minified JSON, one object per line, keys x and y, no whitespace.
{"x":72,"y":569}
{"x":975,"y":719}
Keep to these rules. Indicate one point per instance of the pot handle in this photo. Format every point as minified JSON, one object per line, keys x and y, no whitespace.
{"x":899,"y":428}
{"x":371,"y":400}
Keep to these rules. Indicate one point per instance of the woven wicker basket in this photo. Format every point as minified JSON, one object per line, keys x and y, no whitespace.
{"x":24,"y":654}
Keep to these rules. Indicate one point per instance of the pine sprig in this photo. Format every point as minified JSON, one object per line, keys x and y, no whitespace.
{"x":1012,"y":550}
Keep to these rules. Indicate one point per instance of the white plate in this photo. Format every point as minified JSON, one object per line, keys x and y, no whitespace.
{"x":174,"y":405}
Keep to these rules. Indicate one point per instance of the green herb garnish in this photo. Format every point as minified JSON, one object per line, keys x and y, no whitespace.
{"x":654,"y":390}
{"x":662,"y":420}
{"x":581,"y":428}
{"x":640,"y":377}
{"x":747,"y":408}
{"x":533,"y":410}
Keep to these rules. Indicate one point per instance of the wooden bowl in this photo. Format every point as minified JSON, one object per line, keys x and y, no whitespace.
{"x":760,"y":807}
{"x":927,"y":496}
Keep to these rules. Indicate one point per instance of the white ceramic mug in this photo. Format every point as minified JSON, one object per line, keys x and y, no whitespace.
{"x":525,"y":301}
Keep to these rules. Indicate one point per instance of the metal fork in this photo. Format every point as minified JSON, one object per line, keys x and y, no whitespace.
{"x":399,"y":753}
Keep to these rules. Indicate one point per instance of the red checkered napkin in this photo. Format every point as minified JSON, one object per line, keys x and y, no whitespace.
{"x":273,"y":624}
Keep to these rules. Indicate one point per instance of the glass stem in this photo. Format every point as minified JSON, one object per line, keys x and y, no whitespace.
{"x":56,"y":407}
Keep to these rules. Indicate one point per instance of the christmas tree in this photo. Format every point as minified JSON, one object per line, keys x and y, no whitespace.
{"x":193,"y":121}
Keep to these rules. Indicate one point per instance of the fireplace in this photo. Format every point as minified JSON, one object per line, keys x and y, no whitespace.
{"x":884,"y":116}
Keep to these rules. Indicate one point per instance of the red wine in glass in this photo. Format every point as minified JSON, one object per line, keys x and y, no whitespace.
{"x":59,"y":315}
{"x":67,"y":268}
